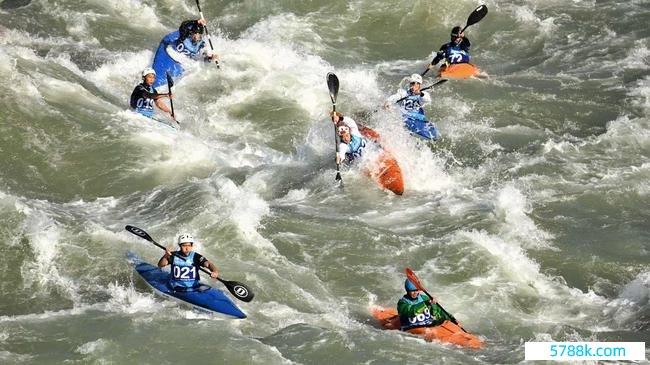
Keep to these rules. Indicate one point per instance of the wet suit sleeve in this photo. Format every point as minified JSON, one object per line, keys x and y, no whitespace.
{"x":199,"y":260}
{"x":440,"y":55}
{"x":464,"y":44}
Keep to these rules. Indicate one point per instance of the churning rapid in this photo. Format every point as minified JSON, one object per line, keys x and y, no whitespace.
{"x":528,"y":219}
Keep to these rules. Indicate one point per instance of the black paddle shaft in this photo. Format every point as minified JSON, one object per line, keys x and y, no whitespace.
{"x":237,"y":289}
{"x":207,"y":33}
{"x":170,"y":83}
{"x":424,"y":88}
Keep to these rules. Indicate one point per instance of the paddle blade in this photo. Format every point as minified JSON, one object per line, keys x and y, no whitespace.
{"x":238,"y":290}
{"x":170,"y":81}
{"x":476,"y":16}
{"x":139,"y":232}
{"x":333,"y":85}
{"x":414,"y":279}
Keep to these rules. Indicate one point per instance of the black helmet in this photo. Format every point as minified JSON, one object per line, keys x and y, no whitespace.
{"x":455,"y":32}
{"x":190,"y":27}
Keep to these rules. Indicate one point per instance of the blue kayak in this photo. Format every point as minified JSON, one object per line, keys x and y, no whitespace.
{"x":205,"y":297}
{"x":162,"y":62}
{"x":422,"y":128}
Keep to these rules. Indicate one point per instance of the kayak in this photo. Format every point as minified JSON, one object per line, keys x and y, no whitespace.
{"x":446,"y":332}
{"x":205,"y":298}
{"x":384,"y":169}
{"x":460,"y":71}
{"x":163,"y":62}
{"x":422,"y":128}
{"x":165,"y":125}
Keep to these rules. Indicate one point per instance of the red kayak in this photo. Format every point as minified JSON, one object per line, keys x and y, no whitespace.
{"x":460,"y":71}
{"x":384,"y":170}
{"x":446,"y":332}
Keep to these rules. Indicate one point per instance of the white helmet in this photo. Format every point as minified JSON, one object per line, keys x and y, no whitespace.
{"x":415,"y":78}
{"x":148,"y":71}
{"x":185,"y":238}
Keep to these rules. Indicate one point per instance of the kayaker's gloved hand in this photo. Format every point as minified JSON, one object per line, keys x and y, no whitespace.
{"x":168,"y":251}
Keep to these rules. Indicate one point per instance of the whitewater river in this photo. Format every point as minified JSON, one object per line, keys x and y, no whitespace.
{"x":529,"y":220}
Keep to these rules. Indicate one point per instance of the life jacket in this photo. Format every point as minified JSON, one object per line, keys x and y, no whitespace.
{"x":456,"y":53}
{"x":184,"y":274}
{"x":355,"y":147}
{"x":412,"y":107}
{"x":186,"y":47}
{"x":140,"y":103}
{"x":421,"y":313}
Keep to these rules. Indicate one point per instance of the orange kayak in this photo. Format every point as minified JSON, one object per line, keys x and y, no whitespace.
{"x":384,"y":170}
{"x":460,"y":71}
{"x":446,"y":332}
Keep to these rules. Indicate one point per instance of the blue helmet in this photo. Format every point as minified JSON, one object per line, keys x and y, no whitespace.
{"x":409,"y":286}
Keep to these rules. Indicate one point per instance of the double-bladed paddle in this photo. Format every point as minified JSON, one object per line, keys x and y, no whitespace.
{"x":198,"y":5}
{"x":416,"y":281}
{"x":237,"y":289}
{"x":333,"y":86}
{"x":424,"y":88}
{"x":475,"y":17}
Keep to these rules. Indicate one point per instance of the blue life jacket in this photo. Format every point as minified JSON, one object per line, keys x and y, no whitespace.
{"x":184,"y":273}
{"x":412,"y":107}
{"x":188,"y":48}
{"x":355,"y":147}
{"x":422,"y":318}
{"x":455,"y":53}
{"x":140,"y":102}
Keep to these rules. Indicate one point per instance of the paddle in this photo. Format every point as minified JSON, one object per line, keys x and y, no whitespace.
{"x":198,"y":5}
{"x":416,"y":281}
{"x":170,"y":83}
{"x":333,"y":85}
{"x":424,"y":88}
{"x":239,"y":290}
{"x":475,"y":17}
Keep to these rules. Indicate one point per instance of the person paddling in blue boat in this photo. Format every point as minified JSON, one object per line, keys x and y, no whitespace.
{"x":186,"y":42}
{"x":417,"y":309}
{"x":352,"y":142}
{"x":144,"y":96}
{"x":185,"y":272}
{"x":411,"y":102}
{"x":456,"y":51}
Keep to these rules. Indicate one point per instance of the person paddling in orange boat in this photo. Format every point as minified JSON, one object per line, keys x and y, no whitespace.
{"x":420,"y":314}
{"x":456,"y":57}
{"x":456,"y":52}
{"x":354,"y":137}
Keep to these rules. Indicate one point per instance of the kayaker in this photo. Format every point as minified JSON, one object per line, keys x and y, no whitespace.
{"x":417,"y":309}
{"x":413,"y":99}
{"x":144,"y":96}
{"x":352,"y":142}
{"x":456,"y":51}
{"x":185,"y":270}
{"x":186,"y":41}
{"x":190,"y":40}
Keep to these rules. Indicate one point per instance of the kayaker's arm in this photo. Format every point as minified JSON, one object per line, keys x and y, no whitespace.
{"x":464,"y":44}
{"x":212,"y":267}
{"x":164,"y":260}
{"x":162,"y":106}
{"x":439,"y":56}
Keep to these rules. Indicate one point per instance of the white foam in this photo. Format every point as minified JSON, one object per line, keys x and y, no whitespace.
{"x":512,"y":209}
{"x":128,"y":300}
{"x":98,"y":345}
